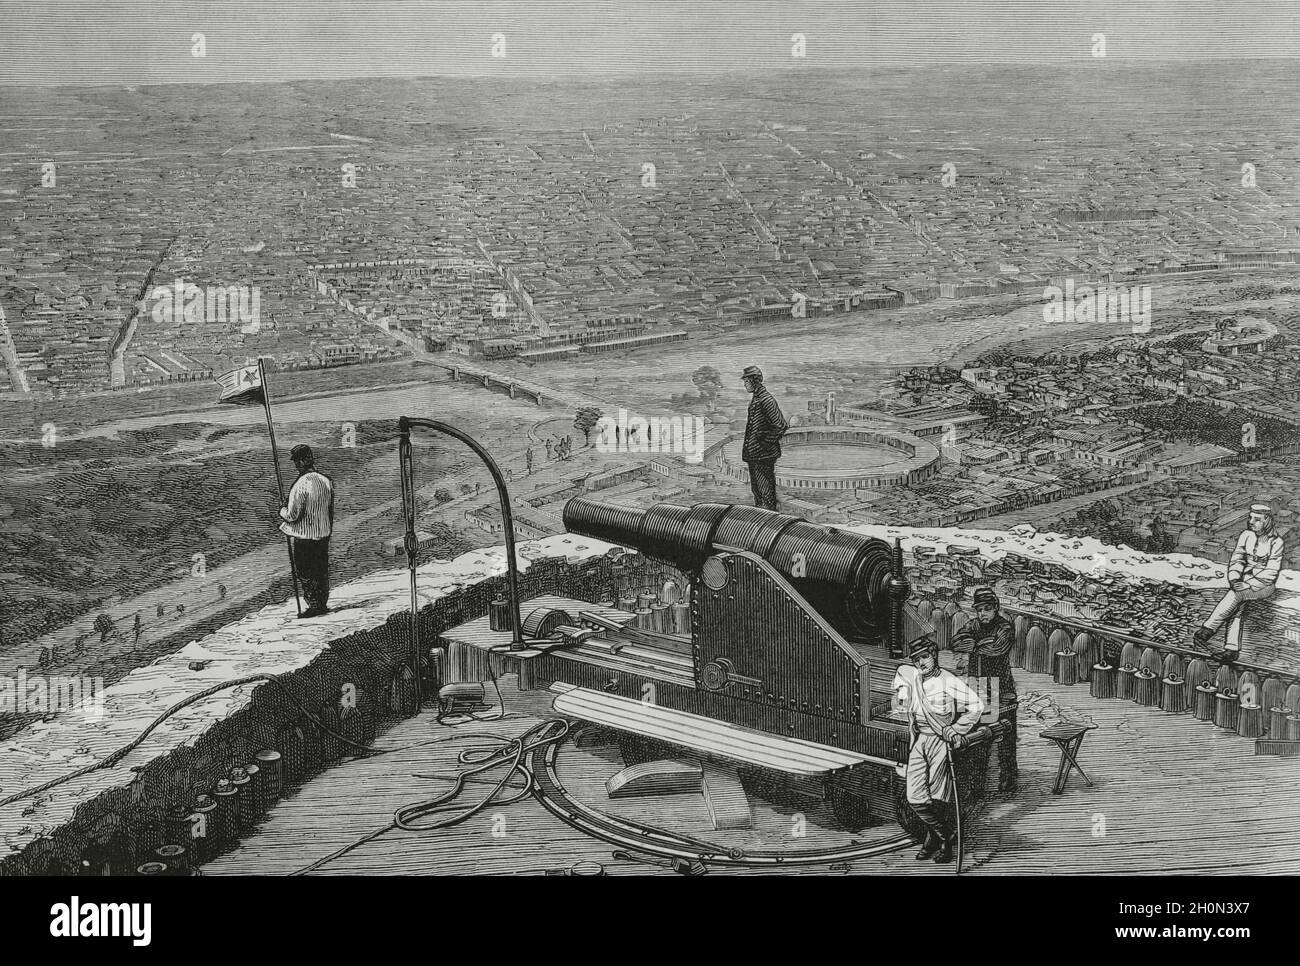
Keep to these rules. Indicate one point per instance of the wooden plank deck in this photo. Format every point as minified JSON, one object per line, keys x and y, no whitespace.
{"x":1172,"y":795}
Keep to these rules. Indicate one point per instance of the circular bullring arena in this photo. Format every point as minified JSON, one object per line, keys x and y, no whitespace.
{"x":842,"y":458}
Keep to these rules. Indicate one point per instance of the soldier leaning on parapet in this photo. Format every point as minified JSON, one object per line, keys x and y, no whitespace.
{"x":988,"y":639}
{"x":1252,"y":575}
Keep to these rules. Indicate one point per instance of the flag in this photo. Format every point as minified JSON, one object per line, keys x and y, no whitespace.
{"x":241,"y":385}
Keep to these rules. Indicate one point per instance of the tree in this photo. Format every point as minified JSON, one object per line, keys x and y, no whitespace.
{"x":586,"y":420}
{"x":442,"y":495}
{"x":104,"y":624}
{"x":709,"y":382}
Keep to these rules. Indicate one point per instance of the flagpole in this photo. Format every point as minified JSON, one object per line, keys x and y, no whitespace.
{"x":279,"y":480}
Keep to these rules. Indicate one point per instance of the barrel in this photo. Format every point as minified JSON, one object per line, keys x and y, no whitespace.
{"x":225,"y":817}
{"x":500,"y":617}
{"x":1227,"y":706}
{"x":250,"y":802}
{"x":270,"y":772}
{"x":1203,"y":702}
{"x":681,"y":618}
{"x":1101,"y":683}
{"x":1124,"y":686}
{"x":1250,"y":721}
{"x":1038,"y":658}
{"x":627,"y":602}
{"x":203,"y":842}
{"x":1021,"y":625}
{"x":1088,"y":650}
{"x":175,"y":857}
{"x":1293,"y":728}
{"x":1066,"y":669}
{"x":1173,"y":695}
{"x":1146,"y":689}
{"x":659,"y":618}
{"x":1277,"y":722}
{"x":240,"y":780}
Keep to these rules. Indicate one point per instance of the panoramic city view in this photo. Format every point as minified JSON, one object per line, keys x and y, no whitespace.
{"x":955,"y":364}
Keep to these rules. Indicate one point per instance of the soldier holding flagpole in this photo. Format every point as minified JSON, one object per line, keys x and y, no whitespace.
{"x":248,"y":385}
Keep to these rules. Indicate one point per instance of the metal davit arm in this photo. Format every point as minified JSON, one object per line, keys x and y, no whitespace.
{"x":411,"y":544}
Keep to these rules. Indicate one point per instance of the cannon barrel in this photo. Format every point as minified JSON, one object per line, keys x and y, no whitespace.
{"x":845,"y":576}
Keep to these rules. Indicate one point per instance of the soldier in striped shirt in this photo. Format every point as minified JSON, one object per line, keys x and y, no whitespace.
{"x":309,"y":520}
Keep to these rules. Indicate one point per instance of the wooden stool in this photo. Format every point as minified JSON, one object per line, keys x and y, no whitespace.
{"x":1146,"y":689}
{"x":1068,"y":736}
{"x":1101,"y":684}
{"x":1250,"y":721}
{"x":1065,"y":669}
{"x":1173,"y":695}
{"x":1203,"y":705}
{"x":1124,"y":681}
{"x":1226,"y":708}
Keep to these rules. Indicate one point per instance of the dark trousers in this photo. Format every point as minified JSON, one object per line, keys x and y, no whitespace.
{"x":311,"y":558}
{"x":1008,"y":769}
{"x":762,"y":480}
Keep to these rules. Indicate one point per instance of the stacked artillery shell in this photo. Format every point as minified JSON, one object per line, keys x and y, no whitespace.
{"x":1173,"y":694}
{"x":1101,"y":683}
{"x":1227,"y":708}
{"x":174,"y":857}
{"x":1250,"y":720}
{"x":1146,"y":688}
{"x":681,"y":617}
{"x":1277,"y":721}
{"x":659,"y":618}
{"x":225,"y":817}
{"x":271,"y":773}
{"x":240,"y":780}
{"x":1058,"y":642}
{"x":1038,"y":657}
{"x":1021,"y":625}
{"x":1065,"y":668}
{"x":1088,"y":653}
{"x":499,"y":617}
{"x":1204,"y":701}
{"x":1124,"y":684}
{"x":250,"y":804}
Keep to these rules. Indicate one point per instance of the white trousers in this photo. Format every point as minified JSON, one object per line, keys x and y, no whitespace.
{"x":928,"y":775}
{"x":1230,"y":606}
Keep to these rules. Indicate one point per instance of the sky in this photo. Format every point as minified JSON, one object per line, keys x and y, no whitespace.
{"x":132,"y":42}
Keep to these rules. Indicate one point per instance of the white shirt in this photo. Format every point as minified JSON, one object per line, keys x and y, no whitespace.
{"x":310,"y":514}
{"x":943,"y":693}
{"x":1257,"y":559}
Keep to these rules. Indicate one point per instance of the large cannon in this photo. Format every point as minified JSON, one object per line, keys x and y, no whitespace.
{"x":854,"y":583}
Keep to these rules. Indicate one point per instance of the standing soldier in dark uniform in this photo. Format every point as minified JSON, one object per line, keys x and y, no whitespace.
{"x":988,"y":640}
{"x":764,"y":428}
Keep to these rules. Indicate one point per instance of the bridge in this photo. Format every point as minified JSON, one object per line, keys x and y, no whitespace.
{"x":494,"y":380}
